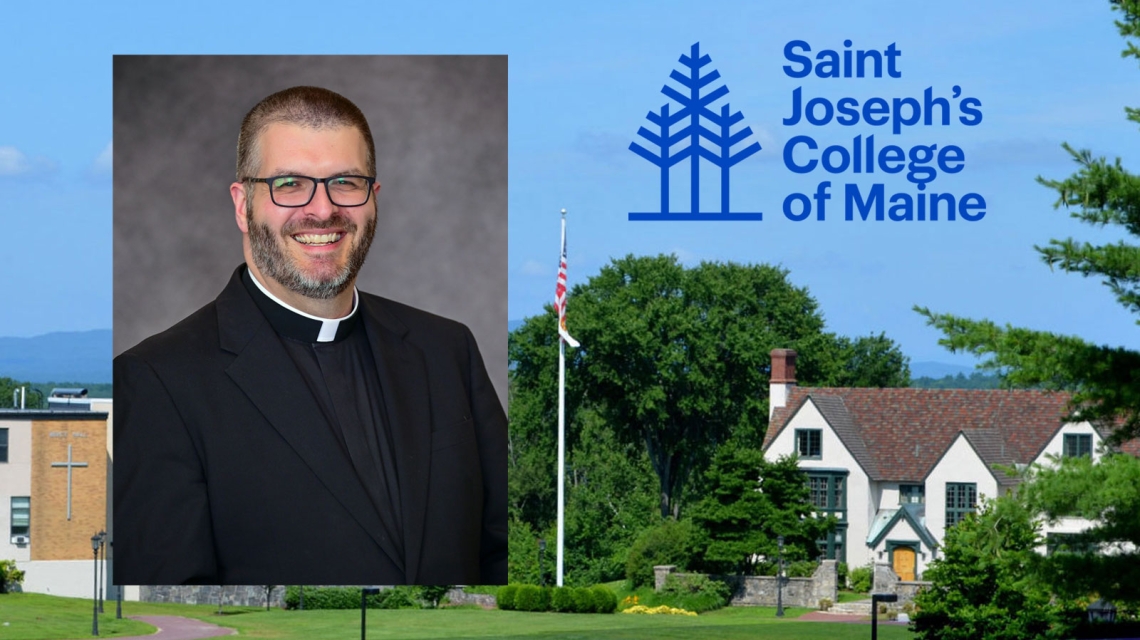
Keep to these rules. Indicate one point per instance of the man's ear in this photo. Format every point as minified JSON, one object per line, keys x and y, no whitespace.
{"x":237,"y":192}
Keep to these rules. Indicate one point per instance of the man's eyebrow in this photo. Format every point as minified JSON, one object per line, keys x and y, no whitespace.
{"x":286,"y":172}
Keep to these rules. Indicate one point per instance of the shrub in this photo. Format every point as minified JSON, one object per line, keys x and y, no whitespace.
{"x":695,"y":592}
{"x":841,"y":570}
{"x":505,"y":598}
{"x":433,"y":594}
{"x":664,"y":544}
{"x":825,"y":604}
{"x":605,"y":601}
{"x":349,"y":598}
{"x":562,"y":600}
{"x":10,"y":577}
{"x":801,"y":569}
{"x":583,"y":600}
{"x":532,"y":598}
{"x":860,"y":578}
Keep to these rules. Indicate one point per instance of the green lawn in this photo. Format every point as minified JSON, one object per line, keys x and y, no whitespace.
{"x":40,"y":617}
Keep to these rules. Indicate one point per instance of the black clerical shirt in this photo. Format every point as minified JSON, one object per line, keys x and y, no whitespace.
{"x":337,"y":363}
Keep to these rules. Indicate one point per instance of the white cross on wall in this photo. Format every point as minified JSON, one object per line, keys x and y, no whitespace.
{"x":70,"y":465}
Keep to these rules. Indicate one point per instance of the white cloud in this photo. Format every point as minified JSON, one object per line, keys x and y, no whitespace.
{"x":102,"y":164}
{"x":13,"y":162}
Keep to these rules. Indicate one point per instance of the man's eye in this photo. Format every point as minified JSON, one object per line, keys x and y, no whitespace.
{"x":286,"y":183}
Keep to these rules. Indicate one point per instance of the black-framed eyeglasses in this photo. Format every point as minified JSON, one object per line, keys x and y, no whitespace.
{"x":298,"y":191}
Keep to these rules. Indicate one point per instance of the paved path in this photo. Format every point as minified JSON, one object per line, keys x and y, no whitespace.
{"x":179,"y":628}
{"x":824,"y":616}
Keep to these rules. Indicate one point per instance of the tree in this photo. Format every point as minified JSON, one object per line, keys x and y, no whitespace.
{"x":1105,"y":380}
{"x":983,"y":587}
{"x":1104,"y":559}
{"x":33,"y":398}
{"x":676,"y":361}
{"x":748,"y":503}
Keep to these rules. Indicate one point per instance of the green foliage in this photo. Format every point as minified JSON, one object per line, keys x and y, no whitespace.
{"x":1108,"y":493}
{"x":695,"y":592}
{"x":983,"y":588}
{"x":976,"y":380}
{"x":10,"y":577}
{"x":32,"y":400}
{"x":522,"y":553}
{"x":1105,"y":380}
{"x":583,"y":600}
{"x":531,"y":597}
{"x":749,"y":502}
{"x":665,"y":544}
{"x":505,"y":598}
{"x":679,"y":358}
{"x":841,"y":571}
{"x":349,"y":598}
{"x":861,"y":577}
{"x":605,"y":600}
{"x":562,"y":600}
{"x":432,"y":594}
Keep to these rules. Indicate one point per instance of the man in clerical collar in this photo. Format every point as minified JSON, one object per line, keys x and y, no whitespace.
{"x":297,"y":430}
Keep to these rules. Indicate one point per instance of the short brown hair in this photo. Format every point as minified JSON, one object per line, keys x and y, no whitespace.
{"x":311,"y":107}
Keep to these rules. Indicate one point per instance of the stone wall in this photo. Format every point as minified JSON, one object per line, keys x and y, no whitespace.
{"x":232,"y":595}
{"x":887,"y":581}
{"x":457,"y":595}
{"x":763,"y":590}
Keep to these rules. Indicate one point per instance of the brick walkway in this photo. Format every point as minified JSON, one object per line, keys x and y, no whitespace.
{"x":179,"y":628}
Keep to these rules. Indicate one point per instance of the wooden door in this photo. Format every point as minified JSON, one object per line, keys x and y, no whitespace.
{"x":904,"y":563}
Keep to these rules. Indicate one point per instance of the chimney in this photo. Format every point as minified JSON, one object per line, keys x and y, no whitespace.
{"x":782,"y":380}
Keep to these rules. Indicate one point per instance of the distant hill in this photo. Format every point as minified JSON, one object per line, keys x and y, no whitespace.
{"x":937,"y":369}
{"x":63,"y":355}
{"x":976,"y":380}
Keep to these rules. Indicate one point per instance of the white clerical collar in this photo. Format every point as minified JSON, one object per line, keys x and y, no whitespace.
{"x":328,"y":327}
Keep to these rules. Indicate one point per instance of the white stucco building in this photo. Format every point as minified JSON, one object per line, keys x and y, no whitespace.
{"x":898,"y":466}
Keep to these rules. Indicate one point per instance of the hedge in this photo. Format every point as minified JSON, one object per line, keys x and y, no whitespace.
{"x":349,"y":598}
{"x":529,"y":597}
{"x":505,"y":598}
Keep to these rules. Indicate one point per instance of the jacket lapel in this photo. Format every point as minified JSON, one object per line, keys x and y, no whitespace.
{"x":268,"y":376}
{"x":403,"y":378}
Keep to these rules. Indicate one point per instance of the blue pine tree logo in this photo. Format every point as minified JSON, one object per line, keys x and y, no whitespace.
{"x":694,"y":110}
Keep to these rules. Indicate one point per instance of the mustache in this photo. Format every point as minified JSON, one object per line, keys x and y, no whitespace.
{"x":336,"y":220}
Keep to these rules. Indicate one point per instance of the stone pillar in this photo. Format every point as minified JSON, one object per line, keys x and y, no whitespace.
{"x":884,"y":579}
{"x":660,"y":573}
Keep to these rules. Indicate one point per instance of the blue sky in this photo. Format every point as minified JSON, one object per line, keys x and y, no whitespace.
{"x":582,"y":78}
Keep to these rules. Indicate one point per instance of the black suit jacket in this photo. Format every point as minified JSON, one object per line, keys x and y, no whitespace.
{"x":226,"y":471}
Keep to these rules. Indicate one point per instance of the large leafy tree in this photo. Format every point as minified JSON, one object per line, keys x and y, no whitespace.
{"x":1104,"y":559}
{"x":1105,"y":380}
{"x":983,"y":587}
{"x":676,"y":361}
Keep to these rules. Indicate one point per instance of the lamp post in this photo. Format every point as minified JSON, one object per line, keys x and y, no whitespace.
{"x":95,"y":586}
{"x":780,"y":577}
{"x":102,"y":566}
{"x":364,"y":593}
{"x":541,"y":564}
{"x":876,"y":598}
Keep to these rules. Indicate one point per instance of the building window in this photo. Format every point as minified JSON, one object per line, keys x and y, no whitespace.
{"x":1077,"y":445}
{"x":961,"y":499}
{"x":809,"y":443}
{"x":4,"y":445}
{"x":912,"y":494}
{"x":21,"y":515}
{"x":828,"y":491}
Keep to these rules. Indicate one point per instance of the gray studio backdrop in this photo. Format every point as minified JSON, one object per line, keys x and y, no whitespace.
{"x":440,"y":125}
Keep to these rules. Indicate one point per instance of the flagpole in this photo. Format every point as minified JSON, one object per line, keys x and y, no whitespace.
{"x":561,"y":433}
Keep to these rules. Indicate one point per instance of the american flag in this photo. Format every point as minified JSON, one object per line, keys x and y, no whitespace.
{"x":560,"y":293}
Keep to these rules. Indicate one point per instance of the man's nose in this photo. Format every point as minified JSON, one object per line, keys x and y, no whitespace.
{"x":321,"y":205}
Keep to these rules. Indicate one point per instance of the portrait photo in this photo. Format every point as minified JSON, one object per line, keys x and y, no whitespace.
{"x":310,"y":320}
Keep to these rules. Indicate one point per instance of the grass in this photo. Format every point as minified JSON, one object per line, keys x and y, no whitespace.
{"x":41,"y":617}
{"x":853,"y":596}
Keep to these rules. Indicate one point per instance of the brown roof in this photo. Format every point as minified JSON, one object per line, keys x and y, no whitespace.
{"x":900,"y":434}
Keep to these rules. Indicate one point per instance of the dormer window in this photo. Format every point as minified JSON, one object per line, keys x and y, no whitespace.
{"x":912,"y":494}
{"x":1077,"y":445}
{"x":809,"y":444}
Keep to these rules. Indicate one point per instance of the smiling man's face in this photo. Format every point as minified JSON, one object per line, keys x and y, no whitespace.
{"x":314,"y":251}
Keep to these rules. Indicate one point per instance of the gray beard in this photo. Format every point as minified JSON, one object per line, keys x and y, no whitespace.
{"x":272,"y":261}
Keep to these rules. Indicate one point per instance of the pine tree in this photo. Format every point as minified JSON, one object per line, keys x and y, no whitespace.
{"x":1105,"y":380}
